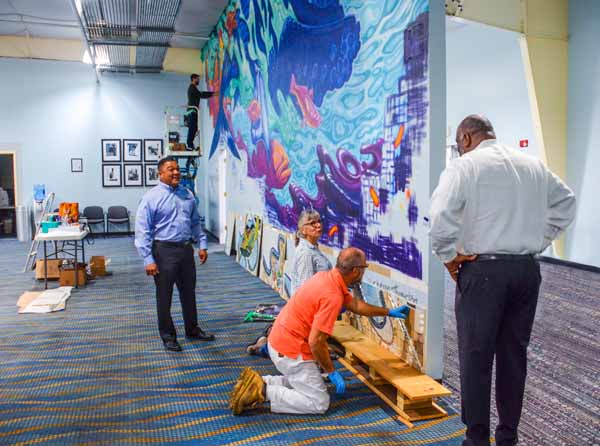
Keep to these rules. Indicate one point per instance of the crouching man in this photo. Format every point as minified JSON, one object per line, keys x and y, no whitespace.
{"x":298,"y":342}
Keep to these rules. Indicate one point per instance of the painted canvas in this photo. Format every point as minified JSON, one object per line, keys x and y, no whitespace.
{"x":229,"y":234}
{"x":248,"y":237}
{"x":286,"y":283}
{"x":273,"y":255}
{"x":387,"y":331}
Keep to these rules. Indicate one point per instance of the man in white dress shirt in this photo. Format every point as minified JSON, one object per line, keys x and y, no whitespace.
{"x":493,"y":210}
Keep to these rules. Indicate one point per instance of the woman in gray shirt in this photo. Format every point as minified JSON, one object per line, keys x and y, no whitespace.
{"x":308,"y":259}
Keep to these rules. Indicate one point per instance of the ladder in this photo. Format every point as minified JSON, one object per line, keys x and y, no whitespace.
{"x":47,"y":206}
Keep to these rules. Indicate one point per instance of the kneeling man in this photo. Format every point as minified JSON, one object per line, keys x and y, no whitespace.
{"x":298,"y":342}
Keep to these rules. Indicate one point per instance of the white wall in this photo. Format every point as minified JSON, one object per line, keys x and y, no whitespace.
{"x":583,"y":131}
{"x":55,"y":111}
{"x":485,"y":75}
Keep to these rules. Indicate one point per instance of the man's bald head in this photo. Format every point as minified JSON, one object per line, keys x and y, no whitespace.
{"x":350,"y":258}
{"x":477,"y":124}
{"x":472,"y":131}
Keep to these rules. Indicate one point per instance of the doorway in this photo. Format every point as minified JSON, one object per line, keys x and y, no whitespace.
{"x":8,"y":194}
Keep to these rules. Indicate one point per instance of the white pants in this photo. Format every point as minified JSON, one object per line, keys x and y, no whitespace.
{"x":299,"y":390}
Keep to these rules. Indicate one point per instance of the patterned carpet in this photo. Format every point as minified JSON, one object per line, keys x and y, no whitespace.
{"x":97,"y":374}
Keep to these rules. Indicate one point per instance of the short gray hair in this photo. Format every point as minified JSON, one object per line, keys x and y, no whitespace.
{"x":306,"y":216}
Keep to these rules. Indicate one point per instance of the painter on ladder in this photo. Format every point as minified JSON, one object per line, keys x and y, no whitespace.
{"x":167,"y":226}
{"x":194,"y":95}
{"x":298,"y":342}
{"x":493,"y":210}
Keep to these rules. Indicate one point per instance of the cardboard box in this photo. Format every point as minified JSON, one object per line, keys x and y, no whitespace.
{"x":98,"y":266}
{"x":53,"y":269}
{"x":67,"y":276}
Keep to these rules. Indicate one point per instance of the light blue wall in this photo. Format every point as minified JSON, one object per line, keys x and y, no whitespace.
{"x":583,"y":132}
{"x":485,"y":74}
{"x":55,"y":111}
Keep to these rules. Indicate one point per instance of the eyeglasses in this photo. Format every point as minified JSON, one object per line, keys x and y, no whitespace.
{"x":362,"y":266}
{"x":314,"y":224}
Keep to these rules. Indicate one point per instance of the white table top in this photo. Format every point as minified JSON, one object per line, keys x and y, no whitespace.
{"x":61,"y":235}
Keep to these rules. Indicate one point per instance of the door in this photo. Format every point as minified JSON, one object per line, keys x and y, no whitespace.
{"x":8,"y":194}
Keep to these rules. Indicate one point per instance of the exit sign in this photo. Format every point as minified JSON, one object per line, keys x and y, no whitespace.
{"x":523,"y":143}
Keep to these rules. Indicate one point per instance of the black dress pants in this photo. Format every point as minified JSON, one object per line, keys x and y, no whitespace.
{"x":495,"y":309}
{"x":192,"y":129}
{"x":176,"y":266}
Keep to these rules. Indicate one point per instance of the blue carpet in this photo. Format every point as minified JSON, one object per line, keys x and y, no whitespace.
{"x":97,"y":374}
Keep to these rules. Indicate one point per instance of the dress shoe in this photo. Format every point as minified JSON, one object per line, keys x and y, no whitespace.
{"x":172,"y":346}
{"x":199,"y":335}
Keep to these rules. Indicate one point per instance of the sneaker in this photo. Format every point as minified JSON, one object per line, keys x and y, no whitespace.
{"x":254,"y":349}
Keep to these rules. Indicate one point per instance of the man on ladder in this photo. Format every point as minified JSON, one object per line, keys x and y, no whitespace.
{"x":194,"y":96}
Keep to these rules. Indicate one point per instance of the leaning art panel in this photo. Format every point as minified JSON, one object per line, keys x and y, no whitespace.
{"x":325,"y":105}
{"x":248,"y":239}
{"x":273,"y":255}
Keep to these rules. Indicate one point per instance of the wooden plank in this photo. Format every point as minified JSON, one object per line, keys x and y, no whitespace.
{"x":401,"y":414}
{"x":413,"y":384}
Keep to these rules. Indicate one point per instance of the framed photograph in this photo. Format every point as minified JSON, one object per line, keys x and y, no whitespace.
{"x":76,"y":164}
{"x":132,"y":150}
{"x":133,"y":175}
{"x":151,"y":174}
{"x":111,"y":175}
{"x":111,"y":150}
{"x":153,"y":150}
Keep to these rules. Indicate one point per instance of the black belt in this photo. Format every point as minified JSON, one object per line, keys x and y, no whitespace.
{"x":485,"y":257}
{"x":174,"y":244}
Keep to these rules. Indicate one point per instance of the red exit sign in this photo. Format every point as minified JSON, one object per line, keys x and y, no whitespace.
{"x":523,"y":143}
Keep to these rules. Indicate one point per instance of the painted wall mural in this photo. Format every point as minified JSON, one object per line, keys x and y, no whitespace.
{"x":324,"y":104}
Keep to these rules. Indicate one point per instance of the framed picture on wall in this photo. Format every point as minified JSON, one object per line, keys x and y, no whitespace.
{"x":151,"y":174}
{"x":111,"y":175}
{"x":111,"y":150}
{"x":132,"y":150}
{"x":153,"y":150}
{"x":133,"y":175}
{"x":76,"y":164}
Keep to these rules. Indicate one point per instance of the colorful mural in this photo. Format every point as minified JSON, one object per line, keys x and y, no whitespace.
{"x":325,"y":103}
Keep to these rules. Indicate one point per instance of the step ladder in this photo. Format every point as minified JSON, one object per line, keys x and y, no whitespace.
{"x":47,"y":207}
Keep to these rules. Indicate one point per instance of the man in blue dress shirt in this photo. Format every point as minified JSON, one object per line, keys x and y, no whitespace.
{"x":166,"y":226}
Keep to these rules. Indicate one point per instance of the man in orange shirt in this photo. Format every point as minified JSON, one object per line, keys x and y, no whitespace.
{"x":298,"y":342}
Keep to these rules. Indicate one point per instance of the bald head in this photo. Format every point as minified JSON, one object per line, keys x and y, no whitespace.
{"x":472,"y":131}
{"x":477,"y":124}
{"x":350,"y":258}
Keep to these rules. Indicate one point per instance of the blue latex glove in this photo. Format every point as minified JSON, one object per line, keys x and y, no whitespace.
{"x":338,"y":380}
{"x":400,"y":312}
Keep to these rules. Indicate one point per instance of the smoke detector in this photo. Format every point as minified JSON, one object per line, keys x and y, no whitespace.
{"x":453,"y":7}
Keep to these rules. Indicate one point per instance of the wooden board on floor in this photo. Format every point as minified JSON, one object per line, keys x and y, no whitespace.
{"x":407,"y":391}
{"x":394,"y":370}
